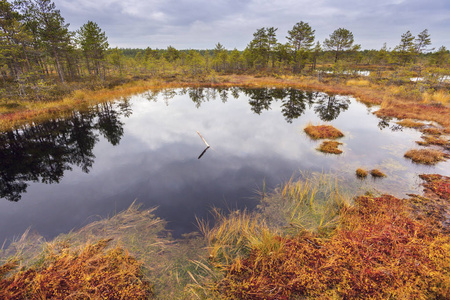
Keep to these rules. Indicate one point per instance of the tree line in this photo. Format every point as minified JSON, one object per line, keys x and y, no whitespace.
{"x":40,"y":58}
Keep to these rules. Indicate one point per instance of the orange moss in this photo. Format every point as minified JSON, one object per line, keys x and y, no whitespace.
{"x":322,"y":132}
{"x":411,"y":110}
{"x":90,"y":273}
{"x":437,"y":184}
{"x":330,"y":147}
{"x":378,"y":252}
{"x":425,"y":156}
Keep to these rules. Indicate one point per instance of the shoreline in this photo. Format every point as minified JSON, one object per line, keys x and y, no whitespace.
{"x":371,"y":94}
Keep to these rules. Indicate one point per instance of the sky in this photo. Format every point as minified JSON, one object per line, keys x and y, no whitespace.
{"x":201,"y":24}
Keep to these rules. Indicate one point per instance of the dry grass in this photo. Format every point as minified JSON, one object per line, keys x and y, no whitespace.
{"x":89,"y":273}
{"x":432,"y":131}
{"x":377,"y":252}
{"x":441,"y":97}
{"x":322,"y":132}
{"x":410,"y":123}
{"x":330,"y":147}
{"x":377,"y":173}
{"x":166,"y":263}
{"x":399,"y":105}
{"x":360,"y":82}
{"x":425,"y":156}
{"x":361,"y":173}
{"x":233,"y":235}
{"x":433,"y":140}
{"x":411,"y":110}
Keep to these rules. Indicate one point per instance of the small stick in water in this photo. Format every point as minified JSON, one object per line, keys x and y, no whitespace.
{"x":203,"y":152}
{"x":207,"y":145}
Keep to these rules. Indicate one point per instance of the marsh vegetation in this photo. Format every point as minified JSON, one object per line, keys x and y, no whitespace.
{"x":87,"y":131}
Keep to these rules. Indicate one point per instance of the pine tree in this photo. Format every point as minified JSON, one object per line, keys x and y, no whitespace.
{"x":93,"y":42}
{"x":340,"y":40}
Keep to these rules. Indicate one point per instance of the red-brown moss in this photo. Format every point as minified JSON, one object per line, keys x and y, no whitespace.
{"x":323,"y":132}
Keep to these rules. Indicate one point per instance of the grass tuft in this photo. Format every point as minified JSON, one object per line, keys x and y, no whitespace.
{"x":354,"y":82}
{"x":377,"y":252}
{"x":425,"y":156}
{"x":361,"y":173}
{"x":377,"y":173}
{"x":330,"y":147}
{"x":432,"y":131}
{"x":91,"y":272}
{"x":433,"y":140}
{"x":410,"y":123}
{"x":322,"y":132}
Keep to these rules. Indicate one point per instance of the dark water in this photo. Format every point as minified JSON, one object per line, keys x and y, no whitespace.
{"x":62,"y":174}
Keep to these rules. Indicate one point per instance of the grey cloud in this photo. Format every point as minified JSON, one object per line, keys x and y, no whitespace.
{"x":201,"y":23}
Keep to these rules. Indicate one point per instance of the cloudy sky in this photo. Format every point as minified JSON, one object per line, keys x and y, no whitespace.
{"x":200,"y":24}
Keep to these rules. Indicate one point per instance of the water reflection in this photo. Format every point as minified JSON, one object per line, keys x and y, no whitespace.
{"x":147,"y":149}
{"x":42,"y":153}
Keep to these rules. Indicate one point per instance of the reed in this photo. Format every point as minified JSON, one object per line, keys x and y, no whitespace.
{"x":313,"y":204}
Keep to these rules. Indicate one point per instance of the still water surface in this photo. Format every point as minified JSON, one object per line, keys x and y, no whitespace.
{"x":65,"y":173}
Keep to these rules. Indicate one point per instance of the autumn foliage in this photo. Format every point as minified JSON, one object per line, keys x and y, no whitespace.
{"x":323,"y":132}
{"x":91,"y":273}
{"x":377,"y":252}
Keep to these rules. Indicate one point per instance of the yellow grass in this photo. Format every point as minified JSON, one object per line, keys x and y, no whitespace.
{"x":437,"y":97}
{"x":377,"y":173}
{"x":425,"y":156}
{"x":356,"y":82}
{"x":410,"y":123}
{"x":361,"y":173}
{"x":330,"y":147}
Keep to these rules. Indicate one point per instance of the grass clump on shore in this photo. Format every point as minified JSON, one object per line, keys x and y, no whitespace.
{"x":138,"y":234}
{"x":432,"y":131}
{"x":377,"y":173}
{"x":433,"y":140}
{"x":361,"y":173}
{"x":425,"y":156}
{"x":410,"y":123}
{"x":330,"y":147}
{"x":317,"y":132}
{"x":365,"y":257}
{"x":91,"y":272}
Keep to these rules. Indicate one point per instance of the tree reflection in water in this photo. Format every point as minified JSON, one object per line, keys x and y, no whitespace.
{"x":42,"y":153}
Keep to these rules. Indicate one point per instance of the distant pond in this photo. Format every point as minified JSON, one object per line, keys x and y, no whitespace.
{"x":67,"y":172}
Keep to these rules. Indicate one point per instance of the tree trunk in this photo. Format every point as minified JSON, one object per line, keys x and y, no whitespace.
{"x":58,"y":66}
